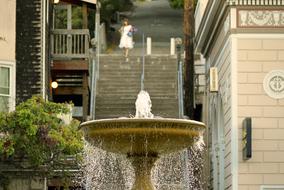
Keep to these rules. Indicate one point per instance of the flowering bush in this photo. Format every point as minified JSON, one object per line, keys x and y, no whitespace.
{"x":33,"y":133}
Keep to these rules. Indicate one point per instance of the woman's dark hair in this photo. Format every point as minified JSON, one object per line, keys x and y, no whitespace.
{"x":125,"y":20}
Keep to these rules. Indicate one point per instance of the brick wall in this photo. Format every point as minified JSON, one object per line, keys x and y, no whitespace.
{"x":257,"y":57}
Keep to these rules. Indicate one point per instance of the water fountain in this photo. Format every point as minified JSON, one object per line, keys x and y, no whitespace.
{"x":143,"y":138}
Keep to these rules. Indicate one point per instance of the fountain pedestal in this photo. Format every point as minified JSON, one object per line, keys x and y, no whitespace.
{"x":142,"y":166}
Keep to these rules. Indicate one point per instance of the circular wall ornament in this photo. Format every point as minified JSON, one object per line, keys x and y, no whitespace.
{"x":273,"y":84}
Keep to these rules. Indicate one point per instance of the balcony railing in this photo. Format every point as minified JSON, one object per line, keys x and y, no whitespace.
{"x":67,"y":44}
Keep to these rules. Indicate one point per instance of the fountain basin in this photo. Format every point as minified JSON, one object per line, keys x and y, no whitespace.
{"x":142,"y":136}
{"x":142,"y":140}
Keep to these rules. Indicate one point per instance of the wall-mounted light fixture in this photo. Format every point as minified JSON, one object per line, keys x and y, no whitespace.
{"x":214,"y":79}
{"x":56,"y":1}
{"x":54,"y":84}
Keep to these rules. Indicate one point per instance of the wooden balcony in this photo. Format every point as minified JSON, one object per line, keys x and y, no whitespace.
{"x":70,"y":44}
{"x":70,"y":68}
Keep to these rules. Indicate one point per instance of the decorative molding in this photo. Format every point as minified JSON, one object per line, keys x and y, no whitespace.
{"x":256,"y":2}
{"x":260,"y":18}
{"x":273,"y":84}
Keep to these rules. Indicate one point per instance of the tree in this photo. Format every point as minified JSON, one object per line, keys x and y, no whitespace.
{"x":189,"y":58}
{"x":188,"y":27}
{"x":195,"y":157}
{"x":34,"y":137}
{"x":177,"y":4}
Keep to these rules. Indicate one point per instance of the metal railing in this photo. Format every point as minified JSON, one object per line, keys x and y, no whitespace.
{"x":180,"y":77}
{"x":94,"y":78}
{"x":70,"y":43}
{"x":143,"y":62}
{"x":95,"y":64}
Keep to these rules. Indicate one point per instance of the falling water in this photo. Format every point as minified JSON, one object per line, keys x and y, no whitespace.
{"x":103,"y":170}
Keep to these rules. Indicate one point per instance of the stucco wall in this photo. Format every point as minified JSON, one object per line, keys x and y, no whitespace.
{"x":7,"y":30}
{"x":257,"y":55}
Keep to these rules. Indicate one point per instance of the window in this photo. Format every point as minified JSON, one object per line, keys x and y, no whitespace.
{"x":4,"y":88}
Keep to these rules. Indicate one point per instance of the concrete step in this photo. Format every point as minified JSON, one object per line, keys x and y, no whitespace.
{"x":157,"y":95}
{"x":172,"y":114}
{"x":126,"y":84}
{"x":163,"y":87}
{"x":139,"y":57}
{"x":161,"y":79}
{"x":119,"y":84}
{"x":149,"y":72}
{"x":131,"y":98}
{"x":137,"y":80}
{"x":137,"y":68}
{"x":136,"y":64}
{"x":131,"y":107}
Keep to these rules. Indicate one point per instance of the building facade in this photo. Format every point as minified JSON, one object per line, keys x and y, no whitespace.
{"x":243,"y":41}
{"x":33,"y":53}
{"x":7,"y":54}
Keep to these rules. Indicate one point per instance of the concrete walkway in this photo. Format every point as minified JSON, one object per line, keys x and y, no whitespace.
{"x":155,"y":19}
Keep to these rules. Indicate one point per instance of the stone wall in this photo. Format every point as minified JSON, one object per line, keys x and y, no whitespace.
{"x":24,"y":183}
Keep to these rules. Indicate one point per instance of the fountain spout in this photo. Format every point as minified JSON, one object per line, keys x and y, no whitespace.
{"x":143,"y":105}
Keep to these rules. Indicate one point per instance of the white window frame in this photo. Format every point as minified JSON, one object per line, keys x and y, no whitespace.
{"x":277,"y":187}
{"x":12,"y":92}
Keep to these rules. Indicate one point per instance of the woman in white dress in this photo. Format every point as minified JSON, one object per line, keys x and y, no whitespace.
{"x":126,"y":40}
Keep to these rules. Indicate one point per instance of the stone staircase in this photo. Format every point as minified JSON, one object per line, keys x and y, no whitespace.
{"x":119,"y":84}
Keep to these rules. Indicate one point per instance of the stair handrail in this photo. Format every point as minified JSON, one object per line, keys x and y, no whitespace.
{"x":94,"y":78}
{"x":96,"y":62}
{"x":180,"y":77}
{"x":143,"y":62}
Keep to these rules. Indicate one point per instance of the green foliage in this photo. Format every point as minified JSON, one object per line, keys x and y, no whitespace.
{"x":176,"y":4}
{"x":109,"y":7}
{"x":77,"y":17}
{"x":4,"y":181}
{"x":34,"y":133}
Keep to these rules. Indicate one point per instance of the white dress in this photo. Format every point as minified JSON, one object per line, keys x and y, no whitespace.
{"x":125,"y":40}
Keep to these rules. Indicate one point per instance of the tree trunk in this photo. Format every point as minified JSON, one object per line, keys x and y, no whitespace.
{"x":195,"y":157}
{"x":189,"y":58}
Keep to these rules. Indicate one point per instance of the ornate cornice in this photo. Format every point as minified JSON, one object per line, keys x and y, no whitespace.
{"x":261,"y":18}
{"x":256,"y":2}
{"x":250,"y":14}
